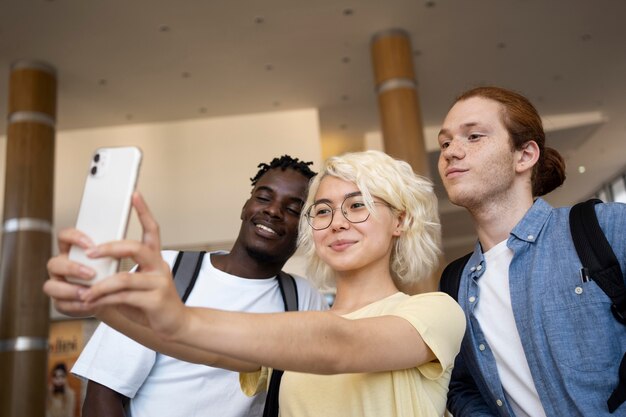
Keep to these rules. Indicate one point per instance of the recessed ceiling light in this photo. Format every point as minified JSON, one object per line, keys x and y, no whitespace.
{"x":164,"y":28}
{"x":202,"y":109}
{"x":586,"y":37}
{"x":259,"y":19}
{"x":102,"y":82}
{"x":345,"y":59}
{"x":501,"y":45}
{"x":345,"y":97}
{"x":185,"y":74}
{"x":582,"y":169}
{"x":430,"y":4}
{"x":269,"y":67}
{"x":348,"y":12}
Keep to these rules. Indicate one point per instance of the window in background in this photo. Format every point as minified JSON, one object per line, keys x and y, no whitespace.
{"x":618,"y":188}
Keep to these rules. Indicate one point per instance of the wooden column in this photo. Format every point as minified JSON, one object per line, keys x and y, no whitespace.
{"x":400,"y":114}
{"x":26,"y":239}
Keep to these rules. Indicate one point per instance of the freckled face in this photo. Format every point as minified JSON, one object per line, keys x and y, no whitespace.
{"x":349,"y":247}
{"x":476,"y":162}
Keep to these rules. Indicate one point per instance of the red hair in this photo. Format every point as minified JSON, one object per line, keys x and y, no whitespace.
{"x":522,"y":121}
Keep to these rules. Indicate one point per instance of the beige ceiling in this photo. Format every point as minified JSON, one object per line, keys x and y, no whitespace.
{"x":137,"y":61}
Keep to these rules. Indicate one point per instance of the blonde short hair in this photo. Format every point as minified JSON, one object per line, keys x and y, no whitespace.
{"x":416,"y":251}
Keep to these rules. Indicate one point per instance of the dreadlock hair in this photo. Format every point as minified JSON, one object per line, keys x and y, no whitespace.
{"x":283,"y":163}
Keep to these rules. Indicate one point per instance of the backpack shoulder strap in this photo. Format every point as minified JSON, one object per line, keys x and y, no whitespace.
{"x":451,"y":276}
{"x":289,"y":291}
{"x":597,"y":257}
{"x":601,"y":265}
{"x":185,"y":272}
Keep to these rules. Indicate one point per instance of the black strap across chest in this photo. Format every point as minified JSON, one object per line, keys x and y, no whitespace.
{"x":599,"y":264}
{"x":185,"y":272}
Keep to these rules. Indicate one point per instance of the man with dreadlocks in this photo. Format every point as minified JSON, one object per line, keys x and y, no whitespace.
{"x":126,"y":377}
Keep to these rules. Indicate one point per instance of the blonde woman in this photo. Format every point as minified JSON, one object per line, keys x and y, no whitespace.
{"x":370,"y":228}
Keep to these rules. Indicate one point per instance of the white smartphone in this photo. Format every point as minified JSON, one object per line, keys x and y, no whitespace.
{"x":105,"y":205}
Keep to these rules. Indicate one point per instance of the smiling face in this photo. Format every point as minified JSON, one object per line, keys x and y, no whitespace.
{"x":350,"y":247}
{"x":269,"y":227}
{"x":477,"y":162}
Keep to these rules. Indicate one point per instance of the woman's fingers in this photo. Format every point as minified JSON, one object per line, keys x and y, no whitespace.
{"x":140,"y":294}
{"x":60,"y":267}
{"x":151,"y":234}
{"x":68,"y":237}
{"x":147,"y":259}
{"x":67,"y":297}
{"x":127,"y":282}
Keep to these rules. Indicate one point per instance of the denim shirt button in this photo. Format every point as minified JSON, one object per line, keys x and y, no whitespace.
{"x":499,"y":403}
{"x":578,"y":290}
{"x":481,"y":347}
{"x":472,"y":299}
{"x":473,"y":269}
{"x":479,"y":267}
{"x":530,"y":237}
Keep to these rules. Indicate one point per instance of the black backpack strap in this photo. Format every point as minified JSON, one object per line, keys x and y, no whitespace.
{"x":451,"y":276}
{"x":289,"y":291}
{"x":597,"y":257}
{"x":601,"y":265}
{"x":185,"y":272}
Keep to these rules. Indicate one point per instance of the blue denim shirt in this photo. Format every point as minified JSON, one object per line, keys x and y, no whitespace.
{"x":572,"y":342}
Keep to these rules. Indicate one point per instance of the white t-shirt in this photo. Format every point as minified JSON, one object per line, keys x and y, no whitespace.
{"x":159,"y":385}
{"x":495,"y":316}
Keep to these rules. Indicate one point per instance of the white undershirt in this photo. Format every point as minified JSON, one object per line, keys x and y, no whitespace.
{"x":495,"y":316}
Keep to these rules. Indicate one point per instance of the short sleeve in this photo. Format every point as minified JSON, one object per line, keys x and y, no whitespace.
{"x":115,"y":361}
{"x":440,"y":322}
{"x":253,"y":383}
{"x":309,"y":298}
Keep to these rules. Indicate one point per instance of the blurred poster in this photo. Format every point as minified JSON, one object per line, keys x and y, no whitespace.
{"x":64,"y":390}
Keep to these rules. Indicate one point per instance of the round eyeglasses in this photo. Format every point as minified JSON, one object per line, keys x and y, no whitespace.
{"x":320,"y":215}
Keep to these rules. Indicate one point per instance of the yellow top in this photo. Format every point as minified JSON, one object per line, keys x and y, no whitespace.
{"x":419,"y":391}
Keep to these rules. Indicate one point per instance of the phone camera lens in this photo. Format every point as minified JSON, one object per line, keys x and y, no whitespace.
{"x":94,"y":170}
{"x":96,"y":157}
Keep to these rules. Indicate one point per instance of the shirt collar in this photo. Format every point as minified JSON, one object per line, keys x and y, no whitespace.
{"x":534,"y":220}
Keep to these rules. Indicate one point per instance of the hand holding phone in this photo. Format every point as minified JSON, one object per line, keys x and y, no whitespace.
{"x":105,"y":205}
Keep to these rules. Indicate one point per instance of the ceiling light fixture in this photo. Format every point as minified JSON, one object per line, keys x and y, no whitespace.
{"x":345,"y":59}
{"x":348,"y":12}
{"x":582,"y":169}
{"x":259,"y":20}
{"x":164,"y":28}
